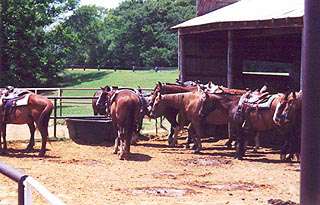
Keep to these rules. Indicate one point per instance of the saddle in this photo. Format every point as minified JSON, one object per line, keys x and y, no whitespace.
{"x":262,"y":102}
{"x":12,"y":99}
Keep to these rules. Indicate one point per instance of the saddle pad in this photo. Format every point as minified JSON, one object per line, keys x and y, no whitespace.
{"x":23,"y":101}
{"x":214,"y":89}
{"x":266,"y":104}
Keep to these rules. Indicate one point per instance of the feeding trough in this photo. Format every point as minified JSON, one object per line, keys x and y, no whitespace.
{"x":91,"y":130}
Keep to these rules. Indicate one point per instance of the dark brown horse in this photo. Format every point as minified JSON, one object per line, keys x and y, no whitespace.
{"x":288,"y":114}
{"x":98,"y":109}
{"x":125,"y":110}
{"x":253,"y":117}
{"x":36,"y":114}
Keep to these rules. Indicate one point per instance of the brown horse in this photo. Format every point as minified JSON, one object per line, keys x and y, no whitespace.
{"x":187,"y":105}
{"x":170,"y":114}
{"x":36,"y":112}
{"x":125,"y":110}
{"x":254,"y":118}
{"x":288,"y":114}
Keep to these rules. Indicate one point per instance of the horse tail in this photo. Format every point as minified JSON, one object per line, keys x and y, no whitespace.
{"x":45,"y":114}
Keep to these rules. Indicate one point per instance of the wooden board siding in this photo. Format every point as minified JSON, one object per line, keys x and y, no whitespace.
{"x":205,"y":57}
{"x":206,"y":6}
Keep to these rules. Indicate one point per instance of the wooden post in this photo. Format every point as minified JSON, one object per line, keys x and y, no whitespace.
{"x":230,"y":61}
{"x":181,"y":63}
{"x":310,"y":139}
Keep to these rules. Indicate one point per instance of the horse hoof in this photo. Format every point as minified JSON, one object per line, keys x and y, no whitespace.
{"x":41,"y":154}
{"x":197,"y":151}
{"x":187,"y":146}
{"x":123,"y":157}
{"x":282,"y":157}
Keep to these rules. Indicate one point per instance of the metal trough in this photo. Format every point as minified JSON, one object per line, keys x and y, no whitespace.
{"x":91,"y":130}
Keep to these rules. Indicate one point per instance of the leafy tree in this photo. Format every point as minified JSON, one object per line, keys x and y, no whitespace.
{"x":26,"y":59}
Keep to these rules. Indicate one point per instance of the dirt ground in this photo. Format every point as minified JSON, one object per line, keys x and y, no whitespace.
{"x":155,"y":174}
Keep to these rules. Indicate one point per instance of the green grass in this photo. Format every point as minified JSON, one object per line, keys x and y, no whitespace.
{"x":97,"y":79}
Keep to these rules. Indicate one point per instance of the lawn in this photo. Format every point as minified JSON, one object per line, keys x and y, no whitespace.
{"x":96,"y":79}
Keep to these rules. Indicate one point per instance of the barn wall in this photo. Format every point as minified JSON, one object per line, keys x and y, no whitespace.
{"x":205,"y":57}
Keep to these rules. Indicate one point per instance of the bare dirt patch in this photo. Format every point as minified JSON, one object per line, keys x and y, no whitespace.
{"x":155,"y":174}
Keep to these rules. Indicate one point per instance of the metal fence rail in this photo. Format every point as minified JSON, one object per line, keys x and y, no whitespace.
{"x":25,"y":186}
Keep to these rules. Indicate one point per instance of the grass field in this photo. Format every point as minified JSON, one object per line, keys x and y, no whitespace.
{"x":97,"y":79}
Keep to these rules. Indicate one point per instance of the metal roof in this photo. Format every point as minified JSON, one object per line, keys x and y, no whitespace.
{"x":249,"y":10}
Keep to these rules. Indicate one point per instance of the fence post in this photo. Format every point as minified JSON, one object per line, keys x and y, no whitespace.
{"x":60,"y":95}
{"x":133,"y":68}
{"x":55,"y":119}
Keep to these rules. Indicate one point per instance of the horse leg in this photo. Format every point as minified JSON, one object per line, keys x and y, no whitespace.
{"x":197,"y":138}
{"x":44,"y":138}
{"x":256,"y":142}
{"x":170,"y":136}
{"x":176,"y":131}
{"x":232,"y":138}
{"x":123,"y":147}
{"x":32,"y":129}
{"x":190,"y":137}
{"x":116,"y":144}
{"x":240,"y":145}
{"x":3,"y":134}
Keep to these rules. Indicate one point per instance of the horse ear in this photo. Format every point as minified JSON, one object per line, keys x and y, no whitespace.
{"x":107,"y":88}
{"x":294,"y":95}
{"x":263,"y":89}
{"x":199,"y":88}
{"x":210,"y":84}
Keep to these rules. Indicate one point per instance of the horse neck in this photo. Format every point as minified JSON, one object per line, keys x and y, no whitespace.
{"x":173,"y":100}
{"x":229,"y":103}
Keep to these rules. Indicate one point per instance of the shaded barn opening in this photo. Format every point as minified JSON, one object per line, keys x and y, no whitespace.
{"x":256,"y":52}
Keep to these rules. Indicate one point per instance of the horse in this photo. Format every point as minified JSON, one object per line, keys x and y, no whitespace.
{"x":170,"y":114}
{"x":98,"y":110}
{"x":254,"y":118}
{"x":36,"y":112}
{"x":288,"y":114}
{"x":187,"y":105}
{"x":124,"y":107}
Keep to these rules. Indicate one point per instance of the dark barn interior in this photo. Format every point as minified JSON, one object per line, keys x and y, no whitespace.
{"x":241,"y":53}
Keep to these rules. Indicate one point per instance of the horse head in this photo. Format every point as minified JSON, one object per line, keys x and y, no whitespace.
{"x":157,"y":89}
{"x":205,"y":104}
{"x":103,"y":98}
{"x":287,"y":109}
{"x":157,"y":108}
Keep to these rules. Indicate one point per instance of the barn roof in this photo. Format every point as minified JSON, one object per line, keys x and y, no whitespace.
{"x":249,"y":11}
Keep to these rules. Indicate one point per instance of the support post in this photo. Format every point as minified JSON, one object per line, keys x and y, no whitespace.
{"x":310,"y":144}
{"x":181,"y":63}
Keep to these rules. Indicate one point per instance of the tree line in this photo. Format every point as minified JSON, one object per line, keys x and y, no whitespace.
{"x":38,"y":39}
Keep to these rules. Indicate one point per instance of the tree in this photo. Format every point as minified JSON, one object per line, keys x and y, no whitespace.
{"x":26,"y":58}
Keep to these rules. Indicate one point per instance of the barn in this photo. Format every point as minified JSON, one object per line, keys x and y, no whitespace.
{"x":243,"y":44}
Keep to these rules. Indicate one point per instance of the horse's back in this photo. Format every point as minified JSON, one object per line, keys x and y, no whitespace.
{"x":126,"y":107}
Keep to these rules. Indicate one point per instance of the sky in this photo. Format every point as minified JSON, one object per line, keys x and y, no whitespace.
{"x":103,"y":3}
